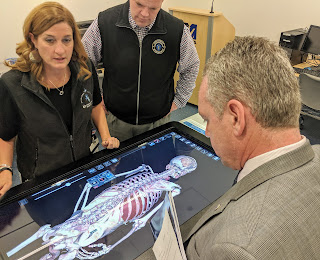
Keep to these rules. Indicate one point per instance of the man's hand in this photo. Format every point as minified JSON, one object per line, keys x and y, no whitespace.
{"x":173,"y":108}
{"x":5,"y":181}
{"x":110,"y":143}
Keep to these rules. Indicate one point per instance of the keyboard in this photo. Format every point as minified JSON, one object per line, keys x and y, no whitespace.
{"x":308,"y":70}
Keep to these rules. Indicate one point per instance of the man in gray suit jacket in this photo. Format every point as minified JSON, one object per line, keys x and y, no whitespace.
{"x":250,"y":99}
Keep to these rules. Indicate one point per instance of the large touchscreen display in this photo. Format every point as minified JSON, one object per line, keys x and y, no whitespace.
{"x":103,"y":210}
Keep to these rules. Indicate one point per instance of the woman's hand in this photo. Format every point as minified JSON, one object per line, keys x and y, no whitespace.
{"x":110,"y":143}
{"x":5,"y":181}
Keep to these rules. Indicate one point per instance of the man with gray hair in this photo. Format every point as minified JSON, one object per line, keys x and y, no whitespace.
{"x":250,"y":99}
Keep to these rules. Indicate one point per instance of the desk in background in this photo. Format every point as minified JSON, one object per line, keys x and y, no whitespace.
{"x":307,"y":64}
{"x":195,"y":122}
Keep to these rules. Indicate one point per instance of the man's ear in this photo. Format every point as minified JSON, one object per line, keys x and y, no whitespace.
{"x":236,"y":112}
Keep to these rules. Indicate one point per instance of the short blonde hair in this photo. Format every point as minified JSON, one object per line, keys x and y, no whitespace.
{"x":40,"y":19}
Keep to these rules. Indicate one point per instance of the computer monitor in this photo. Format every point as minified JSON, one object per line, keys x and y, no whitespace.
{"x":91,"y":205}
{"x":311,"y":42}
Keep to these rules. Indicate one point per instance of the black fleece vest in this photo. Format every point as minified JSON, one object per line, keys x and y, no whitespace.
{"x":160,"y":51}
{"x":44,"y":143}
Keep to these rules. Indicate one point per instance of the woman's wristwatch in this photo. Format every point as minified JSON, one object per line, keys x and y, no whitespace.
{"x":4,"y":167}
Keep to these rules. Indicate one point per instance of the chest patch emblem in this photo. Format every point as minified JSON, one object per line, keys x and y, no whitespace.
{"x":158,"y":46}
{"x":86,"y":99}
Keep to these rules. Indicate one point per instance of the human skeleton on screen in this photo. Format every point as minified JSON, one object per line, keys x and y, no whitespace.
{"x":130,"y":201}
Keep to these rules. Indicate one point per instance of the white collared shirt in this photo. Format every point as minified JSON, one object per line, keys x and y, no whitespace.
{"x":257,"y":161}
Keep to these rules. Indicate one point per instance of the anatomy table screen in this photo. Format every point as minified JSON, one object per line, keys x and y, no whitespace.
{"x":103,"y":210}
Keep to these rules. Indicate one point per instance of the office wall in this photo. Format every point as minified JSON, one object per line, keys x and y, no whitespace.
{"x":250,"y":17}
{"x":13,"y":13}
{"x":266,"y":18}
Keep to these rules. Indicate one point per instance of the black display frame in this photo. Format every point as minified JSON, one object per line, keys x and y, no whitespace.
{"x":32,"y":186}
{"x":220,"y":181}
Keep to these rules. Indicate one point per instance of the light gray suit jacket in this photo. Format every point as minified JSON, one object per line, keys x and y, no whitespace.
{"x":272,"y":213}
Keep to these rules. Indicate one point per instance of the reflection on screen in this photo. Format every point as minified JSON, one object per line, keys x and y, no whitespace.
{"x":103,"y":210}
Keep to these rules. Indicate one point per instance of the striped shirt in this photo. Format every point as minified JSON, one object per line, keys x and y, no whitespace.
{"x":189,"y":62}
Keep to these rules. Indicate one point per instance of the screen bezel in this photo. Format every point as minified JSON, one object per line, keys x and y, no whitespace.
{"x":306,"y":39}
{"x":32,"y":186}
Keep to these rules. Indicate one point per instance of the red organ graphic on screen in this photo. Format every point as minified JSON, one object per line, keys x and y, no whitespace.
{"x":130,"y":201}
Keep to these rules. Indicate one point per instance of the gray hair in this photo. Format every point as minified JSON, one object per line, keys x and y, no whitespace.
{"x":257,"y":73}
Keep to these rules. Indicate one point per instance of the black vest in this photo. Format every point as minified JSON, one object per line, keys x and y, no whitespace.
{"x":160,"y":52}
{"x":44,"y":142}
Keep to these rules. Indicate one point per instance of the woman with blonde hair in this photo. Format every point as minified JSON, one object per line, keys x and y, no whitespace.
{"x":48,"y":98}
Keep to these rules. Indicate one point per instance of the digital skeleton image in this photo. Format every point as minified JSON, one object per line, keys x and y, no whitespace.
{"x":130,"y":201}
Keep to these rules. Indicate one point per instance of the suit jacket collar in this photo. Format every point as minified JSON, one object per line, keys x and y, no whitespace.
{"x":265,"y":172}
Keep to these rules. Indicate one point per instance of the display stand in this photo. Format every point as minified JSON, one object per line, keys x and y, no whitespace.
{"x":210,"y":31}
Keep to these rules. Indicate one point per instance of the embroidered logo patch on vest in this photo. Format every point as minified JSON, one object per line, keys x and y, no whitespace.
{"x":158,"y":46}
{"x":86,"y":99}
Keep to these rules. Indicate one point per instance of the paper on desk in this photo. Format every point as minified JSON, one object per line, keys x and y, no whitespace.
{"x":166,"y":247}
{"x":176,"y":225}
